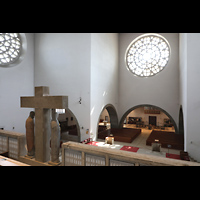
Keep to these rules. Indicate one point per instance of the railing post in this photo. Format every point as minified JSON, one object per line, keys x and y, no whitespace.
{"x":107,"y":160}
{"x":137,"y":164}
{"x":83,"y":158}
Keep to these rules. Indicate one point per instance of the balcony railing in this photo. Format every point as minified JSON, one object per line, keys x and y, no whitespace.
{"x":13,"y":143}
{"x":78,"y":154}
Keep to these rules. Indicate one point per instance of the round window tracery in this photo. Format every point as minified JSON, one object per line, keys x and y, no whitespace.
{"x":147,"y":55}
{"x":10,"y":48}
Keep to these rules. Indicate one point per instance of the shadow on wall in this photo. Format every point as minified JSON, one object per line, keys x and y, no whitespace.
{"x":181,"y":121}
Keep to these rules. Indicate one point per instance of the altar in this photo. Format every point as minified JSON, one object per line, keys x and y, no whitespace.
{"x":103,"y":144}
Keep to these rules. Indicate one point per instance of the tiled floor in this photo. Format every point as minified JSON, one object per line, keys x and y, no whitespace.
{"x":140,"y":142}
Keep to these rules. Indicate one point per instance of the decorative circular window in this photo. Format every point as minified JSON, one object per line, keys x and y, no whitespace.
{"x":147,"y":55}
{"x":10,"y":48}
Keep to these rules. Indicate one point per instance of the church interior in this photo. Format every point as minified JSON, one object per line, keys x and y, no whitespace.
{"x":135,"y":94}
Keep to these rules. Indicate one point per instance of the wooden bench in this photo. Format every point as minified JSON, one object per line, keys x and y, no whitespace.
{"x":166,"y":138}
{"x":121,"y":134}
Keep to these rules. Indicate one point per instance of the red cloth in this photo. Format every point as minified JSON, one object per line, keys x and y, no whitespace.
{"x":93,"y":143}
{"x":174,"y":156}
{"x":129,"y":148}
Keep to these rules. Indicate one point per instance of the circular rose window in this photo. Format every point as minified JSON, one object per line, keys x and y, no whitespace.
{"x":147,"y":55}
{"x":10,"y":48}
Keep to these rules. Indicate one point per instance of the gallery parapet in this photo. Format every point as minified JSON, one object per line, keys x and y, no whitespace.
{"x":77,"y":154}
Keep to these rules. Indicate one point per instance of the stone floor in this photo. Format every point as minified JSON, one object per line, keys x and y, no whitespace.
{"x":140,"y":142}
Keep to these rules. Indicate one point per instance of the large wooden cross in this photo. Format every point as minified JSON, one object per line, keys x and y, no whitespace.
{"x":42,"y":103}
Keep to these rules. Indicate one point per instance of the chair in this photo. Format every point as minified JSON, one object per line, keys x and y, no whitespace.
{"x":156,"y":146}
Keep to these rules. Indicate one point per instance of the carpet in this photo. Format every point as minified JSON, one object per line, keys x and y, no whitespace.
{"x":92,"y":143}
{"x":135,"y":149}
{"x":174,"y":156}
{"x":129,"y":148}
{"x":125,"y":148}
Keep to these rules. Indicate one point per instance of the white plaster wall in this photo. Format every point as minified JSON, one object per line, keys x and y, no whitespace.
{"x":62,"y":62}
{"x":161,"y":90}
{"x":69,"y":62}
{"x":17,"y":81}
{"x":104,"y":75}
{"x":193,"y":95}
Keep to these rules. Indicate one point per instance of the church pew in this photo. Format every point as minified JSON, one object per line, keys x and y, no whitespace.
{"x":121,"y":135}
{"x":166,"y":138}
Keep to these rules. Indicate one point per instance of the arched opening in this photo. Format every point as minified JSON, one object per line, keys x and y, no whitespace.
{"x":69,"y":126}
{"x":157,"y":128}
{"x":151,"y":112}
{"x":181,"y":121}
{"x":108,"y":119}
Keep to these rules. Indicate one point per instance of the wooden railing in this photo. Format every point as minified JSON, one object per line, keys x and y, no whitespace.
{"x":77,"y":154}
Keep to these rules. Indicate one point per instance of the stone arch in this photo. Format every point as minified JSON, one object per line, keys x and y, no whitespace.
{"x":148,"y":105}
{"x":77,"y":126}
{"x":113,"y":116}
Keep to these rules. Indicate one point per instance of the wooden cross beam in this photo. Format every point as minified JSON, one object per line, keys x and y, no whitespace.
{"x":42,"y":103}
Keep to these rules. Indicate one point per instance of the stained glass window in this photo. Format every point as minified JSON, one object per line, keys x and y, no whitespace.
{"x":10,"y":48}
{"x":147,"y":55}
